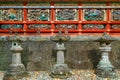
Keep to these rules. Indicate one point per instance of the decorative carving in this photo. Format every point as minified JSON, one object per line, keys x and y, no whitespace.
{"x":116,"y":14}
{"x":66,"y":26}
{"x":40,"y":26}
{"x":11,"y":14}
{"x":93,"y":26}
{"x":17,"y":38}
{"x":93,"y":14}
{"x":66,"y":14}
{"x":8,"y":26}
{"x":38,"y":15}
{"x":115,"y":26}
{"x":59,"y":38}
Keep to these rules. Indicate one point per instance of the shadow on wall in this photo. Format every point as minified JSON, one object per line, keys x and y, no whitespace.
{"x":54,"y":54}
{"x":5,"y":55}
{"x":25,"y":53}
{"x":115,"y":54}
{"x":94,"y":56}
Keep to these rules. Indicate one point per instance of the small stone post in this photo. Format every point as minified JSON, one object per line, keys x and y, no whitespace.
{"x":60,"y":53}
{"x":16,"y":68}
{"x":104,"y":67}
{"x":60,"y":69}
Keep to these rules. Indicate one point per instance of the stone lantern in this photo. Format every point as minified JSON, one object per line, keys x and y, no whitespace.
{"x":60,"y":69}
{"x":16,"y":68}
{"x":104,"y":68}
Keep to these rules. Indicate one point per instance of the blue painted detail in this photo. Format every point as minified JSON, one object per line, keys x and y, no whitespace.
{"x":15,"y":26}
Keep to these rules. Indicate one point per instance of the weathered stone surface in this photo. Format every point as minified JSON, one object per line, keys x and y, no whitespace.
{"x":104,"y":67}
{"x":16,"y":68}
{"x":41,"y":56}
{"x":76,"y":75}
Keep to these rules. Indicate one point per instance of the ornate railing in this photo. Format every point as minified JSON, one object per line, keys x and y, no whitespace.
{"x":50,"y":17}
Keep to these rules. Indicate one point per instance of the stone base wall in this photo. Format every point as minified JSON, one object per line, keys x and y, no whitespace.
{"x":38,"y":56}
{"x":76,"y":75}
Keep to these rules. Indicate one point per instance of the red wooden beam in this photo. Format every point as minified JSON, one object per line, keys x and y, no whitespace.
{"x":114,"y":22}
{"x":115,"y":31}
{"x":79,"y":18}
{"x":93,"y":31}
{"x":24,"y":18}
{"x":38,"y":22}
{"x":52,"y":18}
{"x":65,"y":22}
{"x":71,"y":31}
{"x":94,"y":22}
{"x":13,"y":31}
{"x":108,"y":18}
{"x":31,"y":31}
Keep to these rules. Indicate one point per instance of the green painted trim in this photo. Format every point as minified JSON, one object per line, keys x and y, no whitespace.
{"x":93,"y":3}
{"x":11,"y":3}
{"x":66,"y":3}
{"x":38,"y":3}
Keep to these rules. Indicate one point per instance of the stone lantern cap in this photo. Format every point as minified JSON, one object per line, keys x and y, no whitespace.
{"x":105,"y":38}
{"x":16,"y":38}
{"x":59,"y":38}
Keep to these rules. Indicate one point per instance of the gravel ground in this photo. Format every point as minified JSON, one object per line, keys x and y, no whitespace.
{"x":76,"y":75}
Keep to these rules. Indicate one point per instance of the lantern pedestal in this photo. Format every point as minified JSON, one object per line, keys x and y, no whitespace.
{"x":104,"y":68}
{"x":60,"y":69}
{"x":16,"y":68}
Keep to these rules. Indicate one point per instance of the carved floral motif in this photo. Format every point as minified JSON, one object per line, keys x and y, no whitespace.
{"x":38,"y":14}
{"x":93,"y":14}
{"x":115,"y":26}
{"x":40,"y":26}
{"x":116,"y":14}
{"x":11,"y":14}
{"x":8,"y":26}
{"x":66,"y":26}
{"x":66,"y":14}
{"x":93,"y":26}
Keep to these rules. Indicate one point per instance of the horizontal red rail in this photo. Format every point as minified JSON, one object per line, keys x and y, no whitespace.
{"x":59,"y":22}
{"x":7,"y":31}
{"x":71,"y":31}
{"x":115,"y":31}
{"x":114,"y":22}
{"x":65,"y":22}
{"x":34,"y":31}
{"x":94,"y":22}
{"x":93,"y":31}
{"x":38,"y":22}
